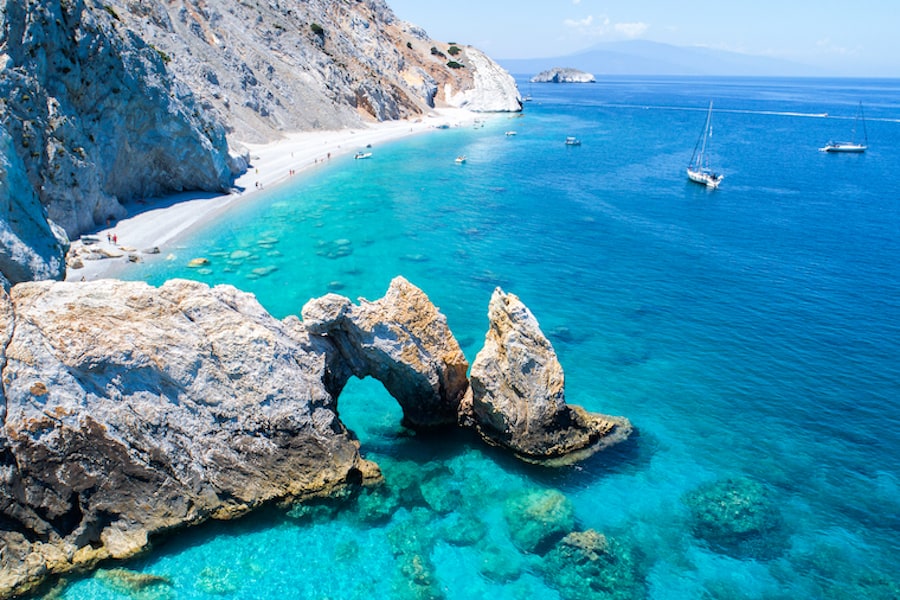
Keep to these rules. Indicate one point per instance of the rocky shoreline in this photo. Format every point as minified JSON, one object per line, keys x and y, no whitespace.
{"x":129,"y":410}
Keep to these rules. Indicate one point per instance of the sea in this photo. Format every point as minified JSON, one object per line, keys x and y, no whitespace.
{"x":750,"y":333}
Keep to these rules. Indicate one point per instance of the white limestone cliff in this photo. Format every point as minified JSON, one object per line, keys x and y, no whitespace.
{"x":494,"y":89}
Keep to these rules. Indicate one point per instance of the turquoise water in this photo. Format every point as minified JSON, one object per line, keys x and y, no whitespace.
{"x":750,"y":333}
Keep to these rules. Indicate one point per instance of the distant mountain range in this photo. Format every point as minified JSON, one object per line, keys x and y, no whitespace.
{"x":641,"y":57}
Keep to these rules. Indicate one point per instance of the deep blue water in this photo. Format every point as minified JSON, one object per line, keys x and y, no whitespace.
{"x":750,"y":333}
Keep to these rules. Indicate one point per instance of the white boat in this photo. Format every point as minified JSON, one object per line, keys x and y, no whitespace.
{"x":510,"y":133}
{"x":572,"y":141}
{"x":853,"y":146}
{"x":699,"y":170}
{"x":361,"y":154}
{"x":460,"y":160}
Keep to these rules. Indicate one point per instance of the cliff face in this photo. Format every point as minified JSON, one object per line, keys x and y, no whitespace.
{"x":107,"y":102}
{"x":30,"y":248}
{"x":267,"y":67}
{"x":95,"y":116}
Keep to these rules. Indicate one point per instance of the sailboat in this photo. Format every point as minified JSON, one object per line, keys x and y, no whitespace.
{"x":699,"y":170}
{"x":853,"y":146}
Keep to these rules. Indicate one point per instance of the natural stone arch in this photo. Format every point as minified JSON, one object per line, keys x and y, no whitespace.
{"x":403,"y":341}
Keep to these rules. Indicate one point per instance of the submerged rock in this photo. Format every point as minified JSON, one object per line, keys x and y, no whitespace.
{"x":587,"y":565}
{"x":537,"y":519}
{"x":125,"y":581}
{"x":499,"y":565}
{"x":518,"y":393}
{"x":738,"y":517}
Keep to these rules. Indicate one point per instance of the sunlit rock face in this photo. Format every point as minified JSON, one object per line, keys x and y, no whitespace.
{"x":518,"y":393}
{"x":403,"y":341}
{"x":128,"y":410}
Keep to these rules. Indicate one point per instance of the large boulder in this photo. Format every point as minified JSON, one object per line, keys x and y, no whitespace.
{"x":131,"y":410}
{"x":518,"y":393}
{"x":403,"y":341}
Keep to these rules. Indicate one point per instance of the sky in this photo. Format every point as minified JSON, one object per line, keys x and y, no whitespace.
{"x":847,"y":37}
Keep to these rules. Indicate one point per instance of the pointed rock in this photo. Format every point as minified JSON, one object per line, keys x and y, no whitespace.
{"x":518,"y":393}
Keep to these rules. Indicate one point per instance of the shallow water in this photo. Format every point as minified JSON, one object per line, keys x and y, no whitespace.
{"x":750,"y":333}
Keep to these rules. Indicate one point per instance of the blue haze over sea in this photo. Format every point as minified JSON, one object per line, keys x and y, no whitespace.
{"x":750,"y":333}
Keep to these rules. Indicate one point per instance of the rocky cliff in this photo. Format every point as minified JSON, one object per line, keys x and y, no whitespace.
{"x":127,"y":410}
{"x":107,"y":102}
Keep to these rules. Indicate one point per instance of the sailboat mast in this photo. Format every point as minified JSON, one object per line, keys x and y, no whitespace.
{"x":862,"y":117}
{"x":704,"y":159}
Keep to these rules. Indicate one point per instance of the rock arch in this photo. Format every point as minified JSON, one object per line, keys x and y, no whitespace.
{"x":403,"y":341}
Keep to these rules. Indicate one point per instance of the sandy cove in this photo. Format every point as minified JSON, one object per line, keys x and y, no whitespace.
{"x":156,"y":222}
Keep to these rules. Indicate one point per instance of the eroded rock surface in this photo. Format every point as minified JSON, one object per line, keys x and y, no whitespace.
{"x":130,"y":410}
{"x":403,"y":341}
{"x":518,"y":393}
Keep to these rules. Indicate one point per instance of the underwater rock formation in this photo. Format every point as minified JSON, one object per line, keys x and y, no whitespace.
{"x":587,"y":565}
{"x":537,"y":519}
{"x":518,"y":393}
{"x":738,"y":517}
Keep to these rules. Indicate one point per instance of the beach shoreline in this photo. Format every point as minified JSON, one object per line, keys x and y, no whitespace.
{"x":153,"y":224}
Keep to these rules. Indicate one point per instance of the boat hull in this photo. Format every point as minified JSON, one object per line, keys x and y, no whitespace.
{"x":844,"y":147}
{"x":710,"y":180}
